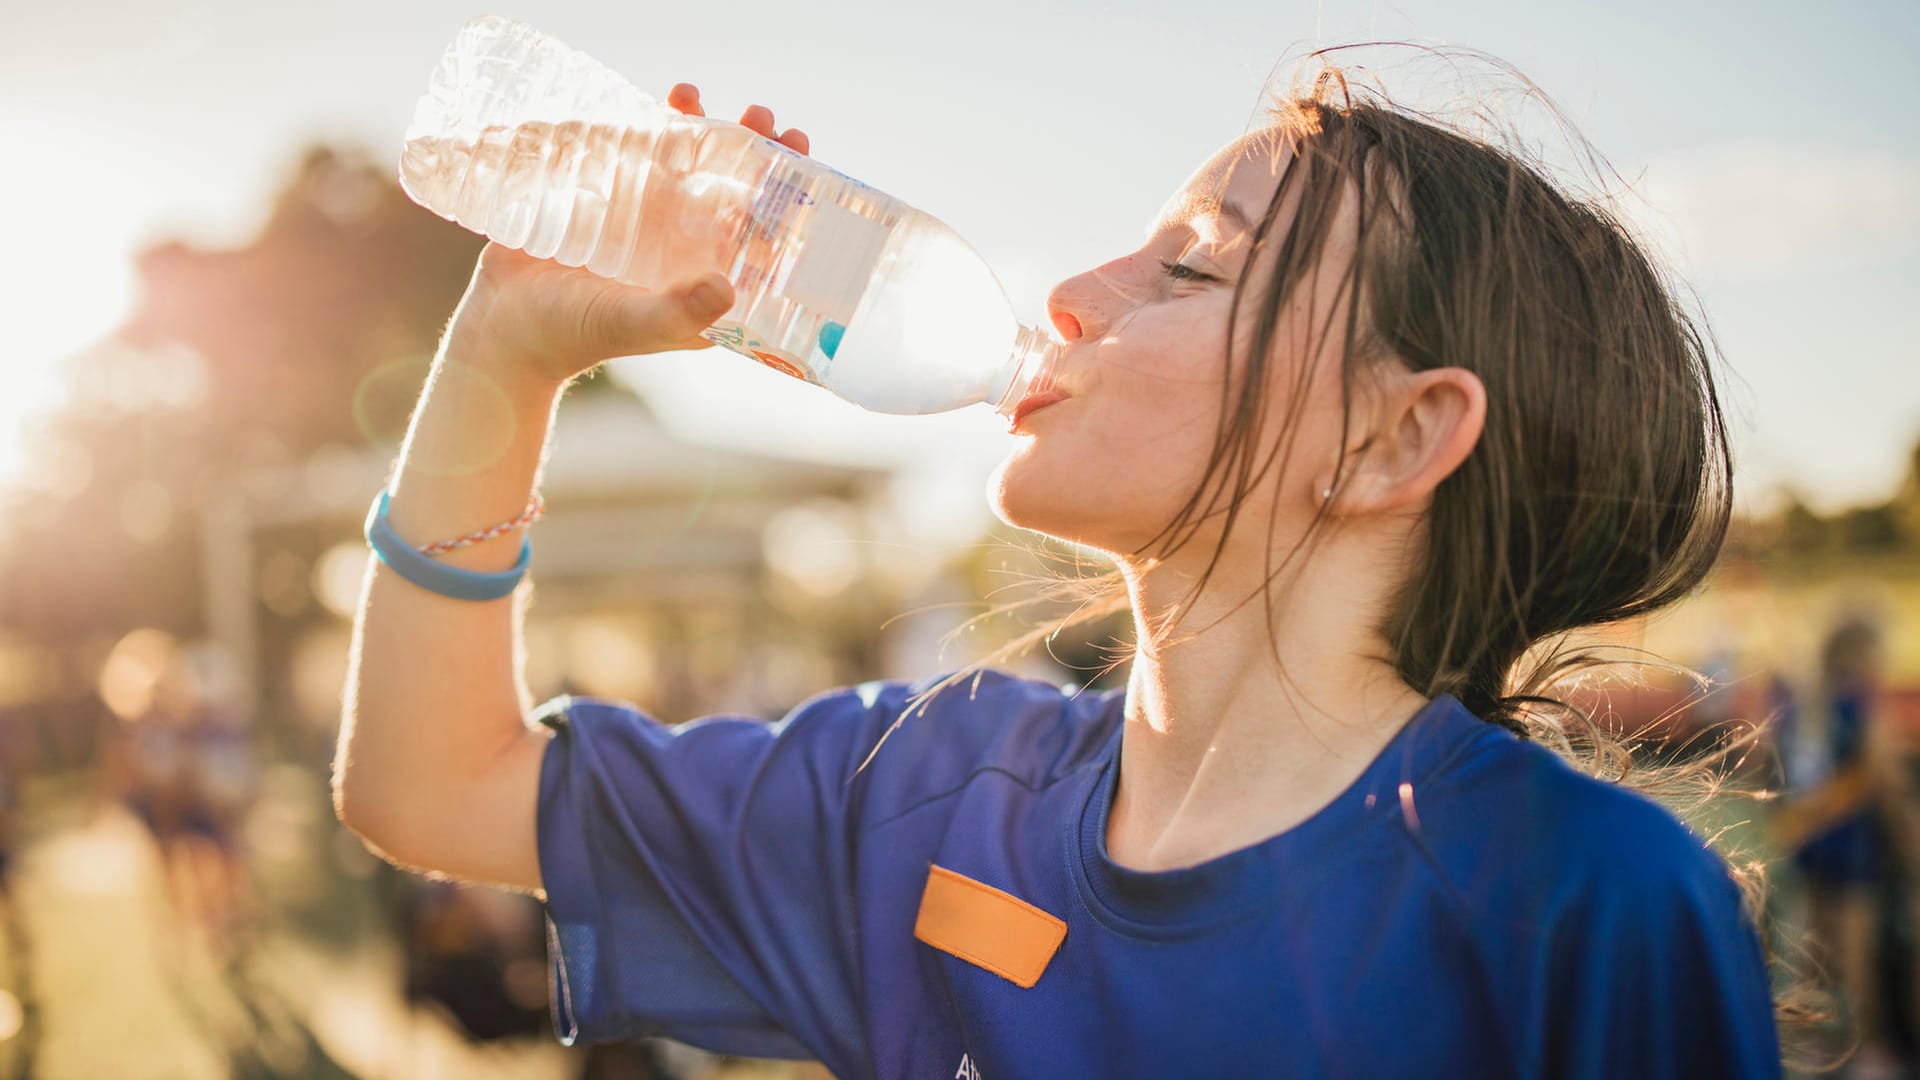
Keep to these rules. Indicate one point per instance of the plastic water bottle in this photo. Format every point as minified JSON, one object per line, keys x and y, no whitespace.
{"x":540,"y":147}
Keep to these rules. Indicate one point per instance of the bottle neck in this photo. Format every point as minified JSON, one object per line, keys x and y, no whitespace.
{"x":1029,"y":369}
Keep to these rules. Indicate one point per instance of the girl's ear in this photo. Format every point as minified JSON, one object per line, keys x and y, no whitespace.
{"x":1423,"y":424}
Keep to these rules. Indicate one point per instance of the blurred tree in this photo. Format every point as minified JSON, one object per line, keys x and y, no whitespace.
{"x":1869,"y":530}
{"x":312,"y":336}
{"x":1906,"y":502}
{"x":1801,"y":532}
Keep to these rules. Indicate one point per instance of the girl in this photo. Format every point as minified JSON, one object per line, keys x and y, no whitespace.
{"x":1372,"y":411}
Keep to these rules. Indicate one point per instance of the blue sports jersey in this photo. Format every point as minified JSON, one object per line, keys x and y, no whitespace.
{"x":1470,"y":906}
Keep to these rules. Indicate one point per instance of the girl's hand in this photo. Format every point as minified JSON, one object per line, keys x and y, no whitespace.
{"x":563,"y":320}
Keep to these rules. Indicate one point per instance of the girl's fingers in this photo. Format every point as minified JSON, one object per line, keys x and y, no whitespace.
{"x":759,"y":119}
{"x":686,"y":98}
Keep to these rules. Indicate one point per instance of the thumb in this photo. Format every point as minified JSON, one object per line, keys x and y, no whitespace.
{"x":672,"y":318}
{"x":623,"y":321}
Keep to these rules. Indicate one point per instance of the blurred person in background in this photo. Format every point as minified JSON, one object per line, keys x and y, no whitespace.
{"x":476,"y":953}
{"x":1840,"y":826}
{"x":1792,"y":761}
{"x":189,"y":770}
{"x":1422,"y":411}
{"x":19,"y":1006}
{"x":1894,"y":717}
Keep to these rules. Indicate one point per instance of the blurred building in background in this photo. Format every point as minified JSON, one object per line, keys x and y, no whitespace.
{"x":688,"y":579}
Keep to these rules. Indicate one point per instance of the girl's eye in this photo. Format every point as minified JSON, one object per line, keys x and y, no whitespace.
{"x":1178,"y":272}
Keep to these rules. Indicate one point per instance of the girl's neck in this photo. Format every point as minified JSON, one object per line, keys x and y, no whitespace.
{"x":1223,"y":747}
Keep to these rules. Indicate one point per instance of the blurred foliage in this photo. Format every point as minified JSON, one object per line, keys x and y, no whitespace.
{"x":314,"y":336}
{"x":291,"y":352}
{"x":1798,"y":535}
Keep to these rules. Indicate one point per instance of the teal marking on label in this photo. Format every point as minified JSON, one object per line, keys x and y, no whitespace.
{"x":830,"y":336}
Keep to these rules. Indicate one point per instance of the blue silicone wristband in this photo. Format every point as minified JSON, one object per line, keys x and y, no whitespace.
{"x":433,"y":575}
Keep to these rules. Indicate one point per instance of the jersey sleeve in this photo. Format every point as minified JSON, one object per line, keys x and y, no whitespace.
{"x":700,"y":879}
{"x":1661,"y":976}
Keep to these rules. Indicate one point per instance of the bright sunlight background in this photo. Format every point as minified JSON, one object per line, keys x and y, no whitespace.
{"x":1770,"y":146}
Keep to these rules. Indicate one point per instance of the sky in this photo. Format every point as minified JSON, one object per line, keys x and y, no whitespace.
{"x":1768,"y":148}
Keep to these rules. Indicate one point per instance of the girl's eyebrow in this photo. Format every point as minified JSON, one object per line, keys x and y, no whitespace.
{"x":1208,"y":206}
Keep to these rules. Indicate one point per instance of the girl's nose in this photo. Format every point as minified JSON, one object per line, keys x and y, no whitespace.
{"x":1068,"y":326}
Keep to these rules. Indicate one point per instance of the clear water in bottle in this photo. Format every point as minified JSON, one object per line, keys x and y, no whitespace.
{"x":539,"y":147}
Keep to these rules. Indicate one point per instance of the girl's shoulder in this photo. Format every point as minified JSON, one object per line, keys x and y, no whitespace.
{"x":1514,"y":813}
{"x":1611,"y":929}
{"x":885,"y":739}
{"x":939,"y":732}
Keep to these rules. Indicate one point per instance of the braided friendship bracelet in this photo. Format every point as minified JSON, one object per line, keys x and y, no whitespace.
{"x":435,"y":576}
{"x":535,"y":509}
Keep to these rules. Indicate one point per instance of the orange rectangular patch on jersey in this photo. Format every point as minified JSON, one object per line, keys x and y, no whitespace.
{"x":987,"y":927}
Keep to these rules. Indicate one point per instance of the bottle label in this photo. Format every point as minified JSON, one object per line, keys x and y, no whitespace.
{"x":837,"y":260}
{"x":813,"y":164}
{"x":774,"y":210}
{"x":733,"y":337}
{"x":823,"y":259}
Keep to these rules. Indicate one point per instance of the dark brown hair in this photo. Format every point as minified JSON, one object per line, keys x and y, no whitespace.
{"x":1600,"y":489}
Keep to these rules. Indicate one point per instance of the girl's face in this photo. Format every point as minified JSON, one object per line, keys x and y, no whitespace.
{"x":1145,"y":368}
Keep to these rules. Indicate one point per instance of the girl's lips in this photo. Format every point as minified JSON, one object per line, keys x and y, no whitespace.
{"x":1033,"y":403}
